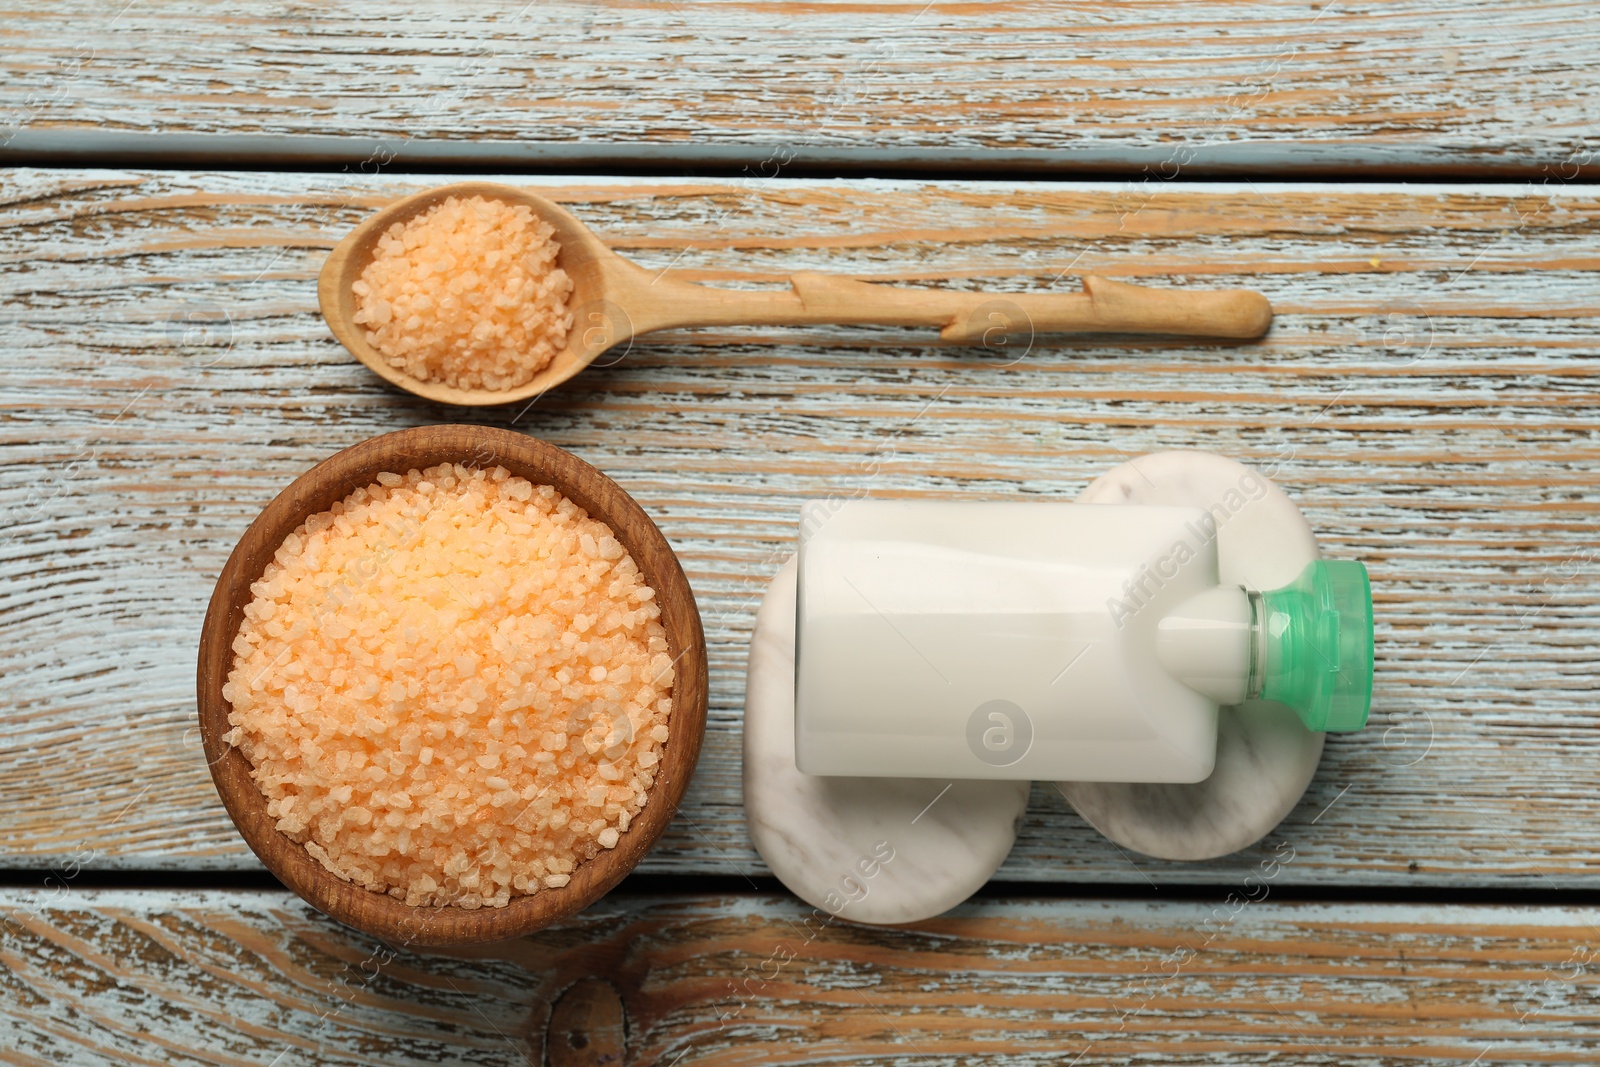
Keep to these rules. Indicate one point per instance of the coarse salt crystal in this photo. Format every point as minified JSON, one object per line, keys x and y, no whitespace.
{"x":466,"y":293}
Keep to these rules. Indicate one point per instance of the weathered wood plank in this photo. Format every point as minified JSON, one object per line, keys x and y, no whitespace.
{"x":1429,"y":394}
{"x":1244,"y":86}
{"x":258,"y":978}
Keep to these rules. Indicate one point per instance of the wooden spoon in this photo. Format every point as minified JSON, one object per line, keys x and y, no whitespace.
{"x":614,"y":300}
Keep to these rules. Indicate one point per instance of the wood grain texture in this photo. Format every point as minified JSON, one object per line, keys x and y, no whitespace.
{"x":321,"y":488}
{"x":1427,"y":394}
{"x":241,"y":978}
{"x":1167,"y":85}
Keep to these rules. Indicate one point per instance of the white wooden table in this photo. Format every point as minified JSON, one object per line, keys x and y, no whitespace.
{"x":1428,"y":394}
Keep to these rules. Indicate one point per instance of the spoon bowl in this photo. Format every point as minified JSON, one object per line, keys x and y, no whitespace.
{"x":598,"y":276}
{"x":614,"y":300}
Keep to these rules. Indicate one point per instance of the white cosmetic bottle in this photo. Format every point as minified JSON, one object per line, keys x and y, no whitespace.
{"x":1052,"y":641}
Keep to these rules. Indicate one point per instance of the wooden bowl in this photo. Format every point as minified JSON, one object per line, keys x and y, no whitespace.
{"x":335,"y":478}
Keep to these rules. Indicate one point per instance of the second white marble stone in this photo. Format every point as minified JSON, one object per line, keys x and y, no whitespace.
{"x":1265,"y":756}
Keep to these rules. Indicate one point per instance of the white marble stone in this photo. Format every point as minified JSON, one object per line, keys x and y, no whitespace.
{"x":1265,"y":756}
{"x":872,"y":850}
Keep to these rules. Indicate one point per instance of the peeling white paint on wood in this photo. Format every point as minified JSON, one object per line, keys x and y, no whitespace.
{"x":259,"y":978}
{"x":1428,"y":394}
{"x":1157,"y":83}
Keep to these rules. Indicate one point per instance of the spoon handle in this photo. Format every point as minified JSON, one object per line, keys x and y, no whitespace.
{"x":1103,"y":306}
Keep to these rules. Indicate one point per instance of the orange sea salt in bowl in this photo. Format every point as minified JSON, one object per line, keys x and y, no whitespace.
{"x":452,"y":686}
{"x":451,"y":701}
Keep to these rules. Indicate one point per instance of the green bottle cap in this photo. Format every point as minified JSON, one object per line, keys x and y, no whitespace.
{"x":1316,"y":645}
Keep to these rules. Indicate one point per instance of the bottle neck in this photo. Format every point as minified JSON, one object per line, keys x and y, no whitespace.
{"x":1208,"y":644}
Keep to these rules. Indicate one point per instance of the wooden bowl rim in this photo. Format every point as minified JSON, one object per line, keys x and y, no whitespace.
{"x":333,"y":479}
